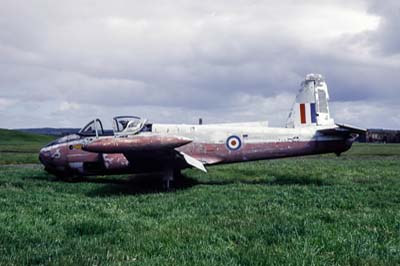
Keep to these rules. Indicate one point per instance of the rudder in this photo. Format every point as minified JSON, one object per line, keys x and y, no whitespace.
{"x":311,"y":106}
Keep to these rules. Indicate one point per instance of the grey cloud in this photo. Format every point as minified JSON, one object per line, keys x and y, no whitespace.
{"x":386,"y":37}
{"x":218,"y":59}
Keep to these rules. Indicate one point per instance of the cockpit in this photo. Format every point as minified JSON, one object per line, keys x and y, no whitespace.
{"x":128,"y":125}
{"x":122,"y":126}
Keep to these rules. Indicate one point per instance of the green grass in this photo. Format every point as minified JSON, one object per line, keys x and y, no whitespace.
{"x":318,"y":210}
{"x":18,"y":147}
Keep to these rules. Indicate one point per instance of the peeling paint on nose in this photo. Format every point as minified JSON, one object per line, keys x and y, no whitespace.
{"x":56,"y":154}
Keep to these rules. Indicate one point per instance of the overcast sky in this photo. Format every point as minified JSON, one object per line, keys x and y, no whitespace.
{"x":63,"y":63}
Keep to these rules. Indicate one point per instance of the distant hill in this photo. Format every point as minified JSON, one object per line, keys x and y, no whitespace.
{"x":18,"y":147}
{"x":56,"y":132}
{"x":17,"y":137}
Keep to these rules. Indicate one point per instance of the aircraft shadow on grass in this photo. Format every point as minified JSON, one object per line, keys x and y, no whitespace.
{"x":151,"y":184}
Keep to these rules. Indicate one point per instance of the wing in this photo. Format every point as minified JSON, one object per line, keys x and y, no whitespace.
{"x":342,"y":130}
{"x":155,"y":149}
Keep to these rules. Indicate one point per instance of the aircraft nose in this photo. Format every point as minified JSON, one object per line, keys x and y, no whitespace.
{"x":44,"y":156}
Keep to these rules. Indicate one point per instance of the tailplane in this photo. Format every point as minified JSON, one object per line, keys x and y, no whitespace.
{"x":311,"y":106}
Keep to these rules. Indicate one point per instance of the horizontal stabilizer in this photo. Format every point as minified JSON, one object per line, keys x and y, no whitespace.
{"x":342,"y":129}
{"x":138,"y":143}
{"x":193,"y":162}
{"x":352,"y":129}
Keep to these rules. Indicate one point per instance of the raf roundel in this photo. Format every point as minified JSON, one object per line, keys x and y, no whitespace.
{"x":233,"y":143}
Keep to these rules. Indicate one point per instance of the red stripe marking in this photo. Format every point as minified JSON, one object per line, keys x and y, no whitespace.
{"x":303,"y":113}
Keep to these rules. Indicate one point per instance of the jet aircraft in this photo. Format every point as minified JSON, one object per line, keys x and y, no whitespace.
{"x":137,"y":146}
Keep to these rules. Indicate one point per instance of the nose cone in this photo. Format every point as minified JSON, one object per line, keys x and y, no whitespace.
{"x":44,"y":156}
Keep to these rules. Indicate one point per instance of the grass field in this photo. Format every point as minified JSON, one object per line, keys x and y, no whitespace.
{"x":319,"y":210}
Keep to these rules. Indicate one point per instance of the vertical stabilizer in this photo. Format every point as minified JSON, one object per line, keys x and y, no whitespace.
{"x":311,"y":105}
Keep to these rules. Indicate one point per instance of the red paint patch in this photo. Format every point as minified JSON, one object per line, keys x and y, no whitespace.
{"x":303,"y":113}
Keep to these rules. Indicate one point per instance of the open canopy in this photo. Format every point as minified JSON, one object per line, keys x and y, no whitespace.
{"x":122,"y":125}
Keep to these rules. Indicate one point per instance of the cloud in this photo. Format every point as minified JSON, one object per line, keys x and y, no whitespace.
{"x":386,"y":39}
{"x":175,"y":61}
{"x":378,"y":114}
{"x":6,"y":103}
{"x":69,"y":106}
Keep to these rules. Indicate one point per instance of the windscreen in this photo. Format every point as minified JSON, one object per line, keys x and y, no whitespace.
{"x":93,"y":128}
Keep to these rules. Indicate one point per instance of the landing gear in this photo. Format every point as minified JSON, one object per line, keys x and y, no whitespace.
{"x":168,"y":176}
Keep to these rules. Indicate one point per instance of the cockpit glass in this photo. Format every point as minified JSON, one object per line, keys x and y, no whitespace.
{"x":93,"y":128}
{"x":122,"y":123}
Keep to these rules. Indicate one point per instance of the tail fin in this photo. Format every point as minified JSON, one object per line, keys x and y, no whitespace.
{"x":311,"y":105}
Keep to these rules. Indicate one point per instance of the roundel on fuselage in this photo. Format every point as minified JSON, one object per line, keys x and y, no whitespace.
{"x":233,"y":143}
